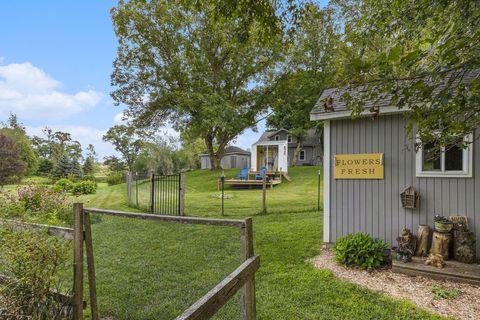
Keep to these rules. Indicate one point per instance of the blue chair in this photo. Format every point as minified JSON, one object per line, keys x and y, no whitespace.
{"x":243,"y":175}
{"x":262,"y":173}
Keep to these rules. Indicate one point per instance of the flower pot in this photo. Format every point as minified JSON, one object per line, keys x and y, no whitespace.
{"x":443,"y":227}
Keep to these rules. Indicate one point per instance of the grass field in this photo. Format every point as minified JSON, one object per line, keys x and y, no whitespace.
{"x":202,"y":196}
{"x":150,"y":270}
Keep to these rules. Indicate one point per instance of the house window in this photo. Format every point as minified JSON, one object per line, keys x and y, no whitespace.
{"x":301,"y":155}
{"x":289,"y":139}
{"x":277,"y":137}
{"x":449,"y":161}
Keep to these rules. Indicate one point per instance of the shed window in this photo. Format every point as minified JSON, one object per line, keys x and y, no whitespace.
{"x":449,"y":161}
{"x":289,"y":138}
{"x":277,"y":137}
{"x":301,"y":155}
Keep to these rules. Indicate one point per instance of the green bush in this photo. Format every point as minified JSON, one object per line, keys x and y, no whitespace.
{"x":89,"y":177}
{"x":84,"y":187}
{"x":361,"y":251}
{"x":31,"y":263}
{"x":115,"y":178}
{"x":63,"y":185}
{"x":36,"y":204}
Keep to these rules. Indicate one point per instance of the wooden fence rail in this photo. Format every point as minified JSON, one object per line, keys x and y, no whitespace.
{"x":243,"y":277}
{"x":210,"y":303}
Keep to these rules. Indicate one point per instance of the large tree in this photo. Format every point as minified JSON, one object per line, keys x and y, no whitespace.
{"x":198,"y":65}
{"x":424,"y":54}
{"x":126,"y":141}
{"x":307,"y":69}
{"x":16,"y":131}
{"x":12,"y":167}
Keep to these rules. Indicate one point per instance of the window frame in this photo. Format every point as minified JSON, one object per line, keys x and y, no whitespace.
{"x":300,"y":155}
{"x":276,"y":138}
{"x":467,"y":165}
{"x":289,"y":138}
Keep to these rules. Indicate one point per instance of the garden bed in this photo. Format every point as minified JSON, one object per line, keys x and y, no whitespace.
{"x":417,"y":289}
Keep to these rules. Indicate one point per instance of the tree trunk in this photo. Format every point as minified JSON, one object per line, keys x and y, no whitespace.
{"x":423,"y":236}
{"x":215,"y":157}
{"x":464,"y":246}
{"x":296,"y":152}
{"x":441,"y":244}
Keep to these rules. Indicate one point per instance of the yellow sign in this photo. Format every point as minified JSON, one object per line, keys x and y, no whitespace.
{"x":358,"y":166}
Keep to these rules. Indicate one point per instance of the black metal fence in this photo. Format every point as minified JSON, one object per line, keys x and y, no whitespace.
{"x":159,"y":194}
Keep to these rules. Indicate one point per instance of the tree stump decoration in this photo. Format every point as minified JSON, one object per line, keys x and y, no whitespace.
{"x":423,"y":238}
{"x":441,"y":244}
{"x":407,"y":243}
{"x":464,"y":246}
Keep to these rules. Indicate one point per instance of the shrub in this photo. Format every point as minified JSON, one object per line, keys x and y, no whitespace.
{"x":84,"y":187}
{"x":31,"y":263}
{"x":115,"y":178}
{"x":63,"y":185}
{"x":361,"y":251}
{"x":89,"y":177}
{"x":36,"y":204}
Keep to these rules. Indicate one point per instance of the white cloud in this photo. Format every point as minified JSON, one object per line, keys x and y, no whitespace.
{"x":85,"y":135}
{"x":34,"y":95}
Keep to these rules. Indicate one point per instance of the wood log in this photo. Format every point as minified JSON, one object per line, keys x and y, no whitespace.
{"x":441,"y":244}
{"x":464,"y":246}
{"x":423,"y":237}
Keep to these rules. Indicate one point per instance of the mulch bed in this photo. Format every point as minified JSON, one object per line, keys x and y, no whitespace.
{"x":417,"y":290}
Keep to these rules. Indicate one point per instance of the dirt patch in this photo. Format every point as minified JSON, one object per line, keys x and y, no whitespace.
{"x":417,"y":290}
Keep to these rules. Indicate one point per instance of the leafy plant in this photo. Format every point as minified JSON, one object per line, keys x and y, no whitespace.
{"x":361,"y":251}
{"x":84,"y":187}
{"x":441,"y":219}
{"x":31,"y":263}
{"x":36,"y":204}
{"x":63,"y":184}
{"x":443,"y":293}
{"x":115,"y":178}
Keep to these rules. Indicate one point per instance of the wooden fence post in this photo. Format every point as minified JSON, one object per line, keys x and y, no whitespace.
{"x":182,"y":193}
{"x":248,"y":303}
{"x":264,"y":194}
{"x":92,"y":285}
{"x":128,"y":178}
{"x":78,"y":261}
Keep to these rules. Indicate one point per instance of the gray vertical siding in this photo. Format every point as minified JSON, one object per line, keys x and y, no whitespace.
{"x":374,"y":206}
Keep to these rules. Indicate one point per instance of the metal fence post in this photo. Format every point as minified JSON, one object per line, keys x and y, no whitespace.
{"x":318,"y":190}
{"x":181,"y":204}
{"x":152,"y":193}
{"x":223,"y":192}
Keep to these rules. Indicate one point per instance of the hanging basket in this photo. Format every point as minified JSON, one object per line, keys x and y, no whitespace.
{"x":410,"y":198}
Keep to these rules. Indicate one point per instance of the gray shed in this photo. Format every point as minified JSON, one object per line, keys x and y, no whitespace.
{"x":358,"y":199}
{"x":234,"y":157}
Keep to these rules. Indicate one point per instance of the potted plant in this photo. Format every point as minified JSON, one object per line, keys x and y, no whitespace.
{"x":442,"y":224}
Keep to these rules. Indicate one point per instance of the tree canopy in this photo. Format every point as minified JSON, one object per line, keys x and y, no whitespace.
{"x":186,"y":64}
{"x":12,"y":167}
{"x":419,"y":52}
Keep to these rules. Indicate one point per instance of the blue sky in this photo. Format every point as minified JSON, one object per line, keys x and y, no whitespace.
{"x":55,"y":64}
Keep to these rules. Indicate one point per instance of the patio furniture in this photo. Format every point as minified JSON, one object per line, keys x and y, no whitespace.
{"x":262,"y":173}
{"x":243,"y":175}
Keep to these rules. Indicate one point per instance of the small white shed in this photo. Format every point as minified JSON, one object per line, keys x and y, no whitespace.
{"x":272,"y":155}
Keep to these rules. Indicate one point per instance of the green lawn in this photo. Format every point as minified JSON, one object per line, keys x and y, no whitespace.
{"x":300,"y":195}
{"x":149,"y":270}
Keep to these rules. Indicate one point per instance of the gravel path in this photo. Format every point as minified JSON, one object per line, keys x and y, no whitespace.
{"x":418,"y":290}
